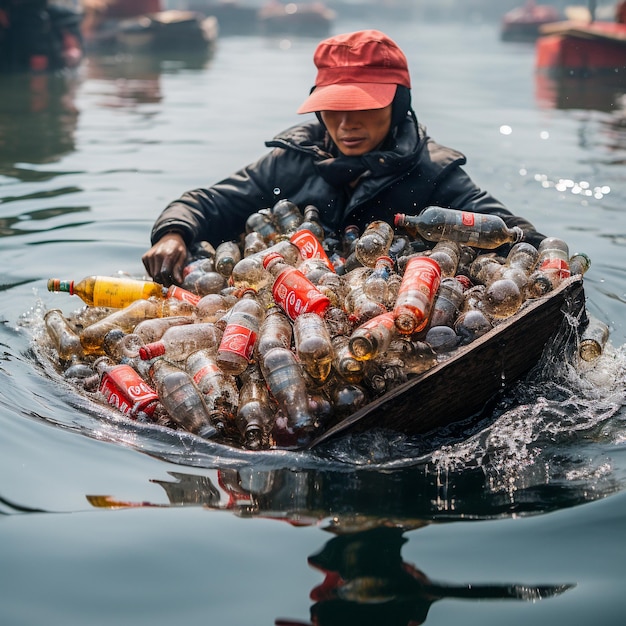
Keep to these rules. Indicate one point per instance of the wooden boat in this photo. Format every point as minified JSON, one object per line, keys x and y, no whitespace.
{"x":575,"y":48}
{"x":462,"y":386}
{"x":154,"y":32}
{"x":523,"y":23}
{"x":305,"y":19}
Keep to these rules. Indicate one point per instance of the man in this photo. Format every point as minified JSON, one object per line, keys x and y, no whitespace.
{"x":365,"y":158}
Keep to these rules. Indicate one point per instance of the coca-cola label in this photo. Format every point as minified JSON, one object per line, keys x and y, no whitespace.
{"x":124,"y":389}
{"x":467,"y":218}
{"x":238,"y":340}
{"x":179,"y":293}
{"x":295,"y":294}
{"x":556,"y":267}
{"x":386,"y":320}
{"x":310,"y":247}
{"x":206,"y":370}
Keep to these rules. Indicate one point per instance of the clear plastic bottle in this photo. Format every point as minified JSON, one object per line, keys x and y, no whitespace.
{"x":375,"y":285}
{"x":66,"y":341}
{"x":181,"y":398}
{"x":447,"y":254}
{"x":520,"y":262}
{"x":253,"y":242}
{"x":406,"y":356}
{"x":287,"y":216}
{"x":151,"y":330}
{"x":579,"y":263}
{"x":502,"y":298}
{"x":481,"y":230}
{"x":373,"y":337}
{"x":262,"y":223}
{"x":312,"y":222}
{"x":255,"y":417}
{"x":250,"y":273}
{"x":361,"y":307}
{"x":201,"y":283}
{"x":486,"y":268}
{"x":373,"y":243}
{"x":471,"y":325}
{"x":286,"y":383}
{"x":448,"y":303}
{"x":219,"y":389}
{"x":211,"y":307}
{"x":114,"y":292}
{"x":344,"y":361}
{"x":292,"y":290}
{"x":313,"y":345}
{"x":275,"y":331}
{"x":442,"y":339}
{"x":593,"y":339}
{"x":178,"y":341}
{"x":350,"y":236}
{"x":416,"y":295}
{"x":240,"y":334}
{"x":123,"y":388}
{"x":125,"y":319}
{"x":227,"y":255}
{"x":553,"y":260}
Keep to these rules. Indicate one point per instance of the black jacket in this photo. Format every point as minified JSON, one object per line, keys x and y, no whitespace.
{"x":409,"y":173}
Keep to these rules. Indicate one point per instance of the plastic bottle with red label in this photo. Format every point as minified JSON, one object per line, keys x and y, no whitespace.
{"x":123,"y":388}
{"x":178,"y":341}
{"x":181,"y":398}
{"x":292,"y":290}
{"x":416,"y":295}
{"x":240,"y":334}
{"x":219,"y":389}
{"x":481,"y":230}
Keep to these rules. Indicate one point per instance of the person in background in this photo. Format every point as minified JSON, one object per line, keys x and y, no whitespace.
{"x":365,"y":157}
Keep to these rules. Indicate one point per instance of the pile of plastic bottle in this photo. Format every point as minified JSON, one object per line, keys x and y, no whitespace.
{"x":273,"y":338}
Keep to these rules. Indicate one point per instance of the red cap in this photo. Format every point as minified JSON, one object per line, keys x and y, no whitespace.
{"x":355,"y":72}
{"x":151,"y":350}
{"x":272,"y":256}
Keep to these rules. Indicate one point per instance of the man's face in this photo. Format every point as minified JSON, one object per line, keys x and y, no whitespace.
{"x":358,"y":132}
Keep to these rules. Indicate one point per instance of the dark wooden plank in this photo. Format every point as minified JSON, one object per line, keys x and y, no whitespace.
{"x":461,"y":386}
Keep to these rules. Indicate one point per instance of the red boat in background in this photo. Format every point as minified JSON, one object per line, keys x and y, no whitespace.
{"x":524,"y":23}
{"x":578,"y":48}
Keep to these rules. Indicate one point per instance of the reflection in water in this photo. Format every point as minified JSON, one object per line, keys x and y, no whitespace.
{"x":598,"y":93}
{"x":38,"y":119}
{"x":368,"y":582}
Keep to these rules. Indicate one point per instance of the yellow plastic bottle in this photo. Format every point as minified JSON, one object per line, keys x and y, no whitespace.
{"x":108,"y":291}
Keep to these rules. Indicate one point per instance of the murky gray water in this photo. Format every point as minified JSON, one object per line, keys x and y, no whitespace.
{"x":86,"y":164}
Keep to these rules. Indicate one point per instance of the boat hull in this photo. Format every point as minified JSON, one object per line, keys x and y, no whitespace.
{"x":568,"y":49}
{"x":466,"y":383}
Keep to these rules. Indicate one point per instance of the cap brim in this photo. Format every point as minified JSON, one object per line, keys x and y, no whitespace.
{"x":349,"y":97}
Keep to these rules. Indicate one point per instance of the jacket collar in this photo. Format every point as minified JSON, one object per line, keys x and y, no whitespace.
{"x":396,"y":157}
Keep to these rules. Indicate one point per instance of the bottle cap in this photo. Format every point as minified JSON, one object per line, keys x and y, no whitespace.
{"x":398,"y":219}
{"x":272,"y":256}
{"x":151,"y":350}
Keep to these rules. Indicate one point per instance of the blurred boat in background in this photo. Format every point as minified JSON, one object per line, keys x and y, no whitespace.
{"x":523,"y":23}
{"x":583,"y":47}
{"x":141,"y":26}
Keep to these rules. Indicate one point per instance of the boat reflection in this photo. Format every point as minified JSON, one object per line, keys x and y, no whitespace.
{"x":38,"y":118}
{"x":598,"y":93}
{"x":366,"y":581}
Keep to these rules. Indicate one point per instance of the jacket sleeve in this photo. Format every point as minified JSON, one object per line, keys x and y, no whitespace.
{"x":219,"y":213}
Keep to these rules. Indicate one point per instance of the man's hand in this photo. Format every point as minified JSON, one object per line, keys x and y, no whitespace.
{"x":166,"y":259}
